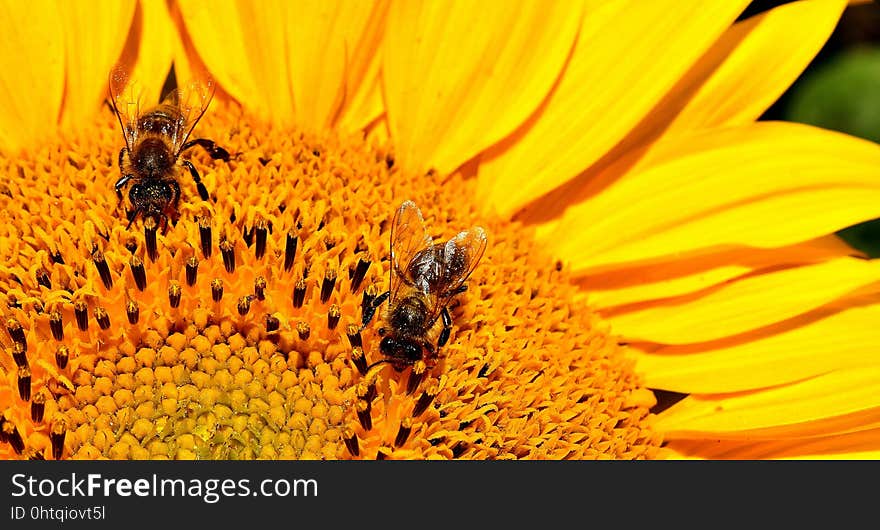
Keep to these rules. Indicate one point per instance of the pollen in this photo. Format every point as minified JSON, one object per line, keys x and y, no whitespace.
{"x":236,"y":331}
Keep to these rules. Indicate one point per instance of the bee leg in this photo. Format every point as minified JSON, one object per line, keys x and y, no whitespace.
{"x":122,"y":153}
{"x":215,"y":151}
{"x":447,"y":328}
{"x":370,"y":309}
{"x":175,"y":199}
{"x":131,"y":216}
{"x":121,"y":183}
{"x":203,"y":191}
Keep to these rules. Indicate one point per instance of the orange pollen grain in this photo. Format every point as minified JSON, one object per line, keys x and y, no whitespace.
{"x":236,"y":333}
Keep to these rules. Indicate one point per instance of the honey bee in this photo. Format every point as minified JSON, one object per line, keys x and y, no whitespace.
{"x":424,"y":278}
{"x":154,"y":140}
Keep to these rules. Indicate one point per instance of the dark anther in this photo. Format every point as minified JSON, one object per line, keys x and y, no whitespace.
{"x":244,"y":305}
{"x":131,"y":245}
{"x":260,"y":288}
{"x":363,"y":414}
{"x":150,"y":226}
{"x":403,"y":432}
{"x":359,"y":360}
{"x":192,"y":270}
{"x":138,"y":273}
{"x":102,"y":317}
{"x":333,"y":315}
{"x":424,"y":401}
{"x":354,"y":336}
{"x":43,"y":278}
{"x":174,"y":292}
{"x":19,"y":354}
{"x":103,"y":268}
{"x":56,"y":257}
{"x":327,"y":284}
{"x":483,"y":370}
{"x":261,"y":233}
{"x":290,"y":251}
{"x":24,"y":383}
{"x":248,"y":236}
{"x":303,"y":330}
{"x":12,"y":436}
{"x":371,"y":393}
{"x":389,"y":161}
{"x":217,"y":289}
{"x":299,"y":293}
{"x":80,"y":311}
{"x":62,"y":355}
{"x":416,"y":375}
{"x":56,"y":324}
{"x":381,"y":453}
{"x":272,"y":323}
{"x":38,"y":407}
{"x":227,"y":250}
{"x":370,"y":294}
{"x":16,"y":332}
{"x":205,"y":236}
{"x":56,"y":436}
{"x":132,"y":312}
{"x":351,"y":442}
{"x":366,"y":392}
{"x":360,"y":271}
{"x":458,"y":449}
{"x":34,"y":454}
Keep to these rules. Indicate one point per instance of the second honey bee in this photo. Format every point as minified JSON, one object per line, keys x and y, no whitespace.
{"x":424,"y":278}
{"x":155,"y":139}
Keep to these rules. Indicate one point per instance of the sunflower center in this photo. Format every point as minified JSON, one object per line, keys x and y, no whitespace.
{"x":235,"y":330}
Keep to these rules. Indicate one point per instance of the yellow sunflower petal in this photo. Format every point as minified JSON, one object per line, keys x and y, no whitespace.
{"x":30,"y":100}
{"x":732,"y":83}
{"x":226,"y":35}
{"x":689,"y":273}
{"x":829,"y":339}
{"x":288,"y":62}
{"x":153,"y":45}
{"x":761,"y":57}
{"x":840,"y":401}
{"x":861,"y":445}
{"x":763,"y":185}
{"x":321,"y":38}
{"x":751,"y":302}
{"x":94,"y":37}
{"x":459,"y":78}
{"x":363,"y":93}
{"x":623,"y":64}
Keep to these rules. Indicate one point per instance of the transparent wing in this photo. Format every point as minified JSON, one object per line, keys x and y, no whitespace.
{"x":125,"y":97}
{"x":408,"y":237}
{"x":460,"y":257}
{"x":190,"y":101}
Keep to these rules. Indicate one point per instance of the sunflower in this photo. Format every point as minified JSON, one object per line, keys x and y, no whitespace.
{"x":647,"y":236}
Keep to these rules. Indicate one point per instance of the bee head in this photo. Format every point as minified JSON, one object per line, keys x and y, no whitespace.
{"x":401,"y":350}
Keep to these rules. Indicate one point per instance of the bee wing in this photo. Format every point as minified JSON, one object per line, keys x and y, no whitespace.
{"x":125,"y":97}
{"x":191,"y":102}
{"x":408,"y":237}
{"x":461,"y":254}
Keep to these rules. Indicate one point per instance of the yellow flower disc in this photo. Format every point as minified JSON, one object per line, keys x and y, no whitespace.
{"x":239,"y":340}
